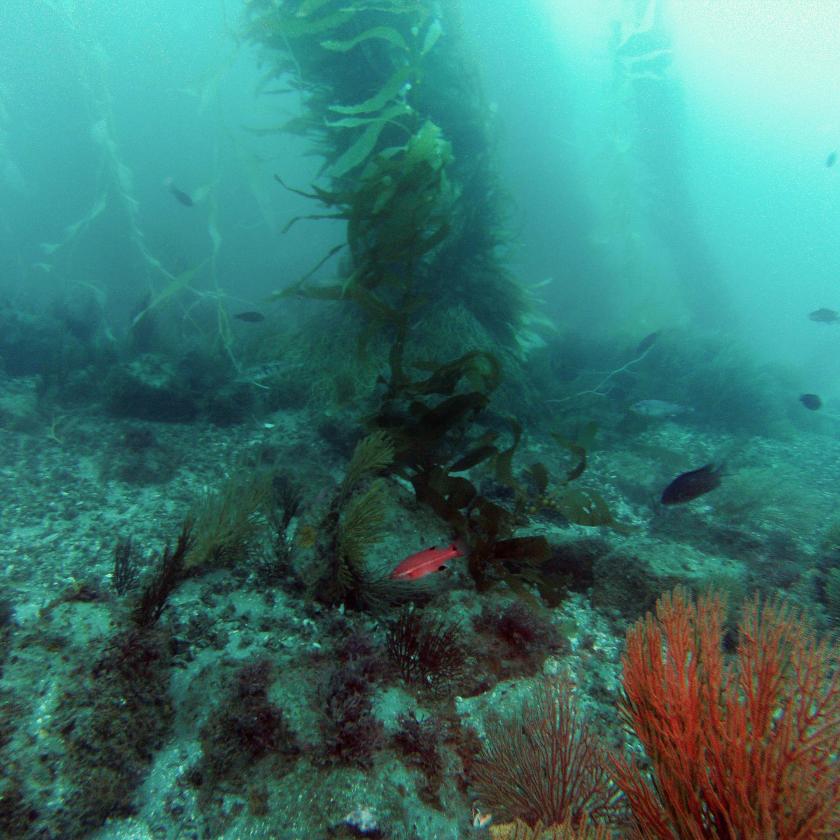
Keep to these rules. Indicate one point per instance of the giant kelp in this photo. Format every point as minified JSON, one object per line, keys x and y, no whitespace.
{"x":389,"y":104}
{"x":405,"y":156}
{"x":488,"y":516}
{"x":441,"y":427}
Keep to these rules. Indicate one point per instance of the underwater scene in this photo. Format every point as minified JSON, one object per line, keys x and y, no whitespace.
{"x":419,"y":419}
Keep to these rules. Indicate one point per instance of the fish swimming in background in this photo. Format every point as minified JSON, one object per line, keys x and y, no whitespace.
{"x":647,"y":342}
{"x":690,"y":485}
{"x":423,"y":563}
{"x":658,"y":409}
{"x":825,"y":316}
{"x":831,"y":159}
{"x":250,"y":317}
{"x":811,"y":401}
{"x":183,"y":197}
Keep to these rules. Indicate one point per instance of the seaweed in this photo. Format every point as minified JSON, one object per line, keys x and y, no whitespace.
{"x":516,"y":639}
{"x":434,"y":432}
{"x":354,"y":522}
{"x":427,"y":653}
{"x":111,"y":724}
{"x":416,"y":212}
{"x":228,"y":521}
{"x":405,"y":166}
{"x":155,"y":595}
{"x":350,"y":731}
{"x":243,"y":729}
{"x":275,"y":566}
{"x":418,"y":742}
{"x":124,"y":576}
{"x":580,"y":506}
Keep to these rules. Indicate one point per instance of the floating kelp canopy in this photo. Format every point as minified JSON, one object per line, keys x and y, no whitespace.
{"x":391,"y":105}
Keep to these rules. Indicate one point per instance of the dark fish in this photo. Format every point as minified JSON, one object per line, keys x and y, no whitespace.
{"x":831,"y":159}
{"x":180,"y":195}
{"x":692,"y":484}
{"x":811,"y":401}
{"x":250,"y":316}
{"x":647,"y":342}
{"x":825,"y":316}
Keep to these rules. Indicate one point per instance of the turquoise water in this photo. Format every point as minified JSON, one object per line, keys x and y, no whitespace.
{"x":368,"y":370}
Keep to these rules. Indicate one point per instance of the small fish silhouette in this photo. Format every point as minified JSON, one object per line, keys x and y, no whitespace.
{"x":180,"y":195}
{"x":690,"y":485}
{"x":250,"y":317}
{"x":824,"y":316}
{"x":647,"y":342}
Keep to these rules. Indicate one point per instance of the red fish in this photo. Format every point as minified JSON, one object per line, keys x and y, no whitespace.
{"x":423,"y":563}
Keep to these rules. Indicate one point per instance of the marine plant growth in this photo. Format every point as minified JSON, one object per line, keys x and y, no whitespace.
{"x":405,"y":166}
{"x":406,"y":169}
{"x":741,"y":749}
{"x":404,"y":157}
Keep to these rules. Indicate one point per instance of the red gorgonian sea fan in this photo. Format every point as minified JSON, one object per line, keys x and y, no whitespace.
{"x":545,"y":765}
{"x":747,"y":750}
